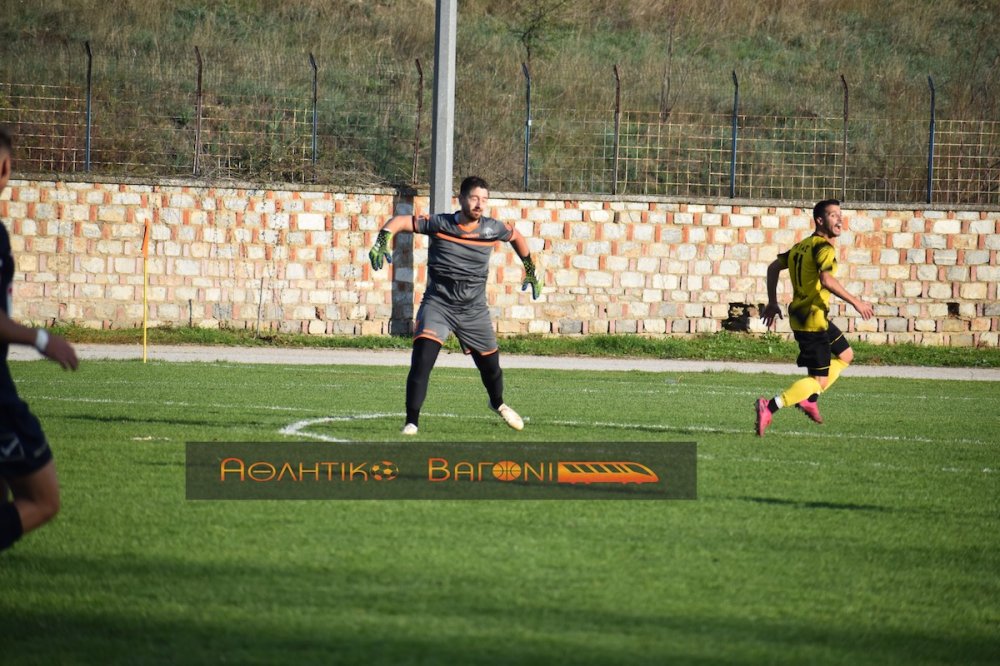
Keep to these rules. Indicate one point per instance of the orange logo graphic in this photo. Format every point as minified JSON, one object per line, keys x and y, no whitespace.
{"x":605,"y":472}
{"x":384,"y":471}
{"x":506,"y":470}
{"x":441,"y":469}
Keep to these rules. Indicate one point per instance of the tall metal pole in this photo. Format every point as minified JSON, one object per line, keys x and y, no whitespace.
{"x":416,"y":131}
{"x":443,"y":142}
{"x":930,"y":150}
{"x":527,"y":120}
{"x":843,"y":177}
{"x":90,"y":63}
{"x":618,"y":119}
{"x":197,"y":126}
{"x":315,"y":128}
{"x":732,"y":152}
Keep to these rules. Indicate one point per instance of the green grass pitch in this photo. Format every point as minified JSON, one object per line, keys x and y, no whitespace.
{"x":870,"y":539}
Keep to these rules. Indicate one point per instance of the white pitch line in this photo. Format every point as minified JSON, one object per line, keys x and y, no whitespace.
{"x":171,"y":403}
{"x":672,"y":388}
{"x":297,"y":429}
{"x":655,"y":427}
{"x":651,"y":426}
{"x":744,"y":431}
{"x":814,"y":463}
{"x":722,"y":389}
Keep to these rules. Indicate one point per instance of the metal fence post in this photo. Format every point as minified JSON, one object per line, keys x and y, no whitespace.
{"x":930,"y":148}
{"x":618,"y":116}
{"x":89,"y":120}
{"x":198,"y":108}
{"x":732,"y":153}
{"x":843,"y":177}
{"x":527,"y":120}
{"x":420,"y":112}
{"x":315,"y":123}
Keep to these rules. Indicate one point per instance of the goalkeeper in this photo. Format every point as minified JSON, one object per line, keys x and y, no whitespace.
{"x":455,"y":299}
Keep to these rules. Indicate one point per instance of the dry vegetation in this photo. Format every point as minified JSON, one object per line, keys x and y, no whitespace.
{"x":676,"y":56}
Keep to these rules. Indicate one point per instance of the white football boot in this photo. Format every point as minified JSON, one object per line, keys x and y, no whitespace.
{"x":510,"y":417}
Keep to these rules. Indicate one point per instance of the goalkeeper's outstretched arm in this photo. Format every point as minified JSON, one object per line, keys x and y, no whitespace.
{"x":380,"y":252}
{"x":399,"y":223}
{"x":531,"y":278}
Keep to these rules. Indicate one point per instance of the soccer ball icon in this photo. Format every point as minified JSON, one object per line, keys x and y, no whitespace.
{"x":384,"y":471}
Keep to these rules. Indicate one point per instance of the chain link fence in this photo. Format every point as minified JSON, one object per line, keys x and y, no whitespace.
{"x":378,"y":133}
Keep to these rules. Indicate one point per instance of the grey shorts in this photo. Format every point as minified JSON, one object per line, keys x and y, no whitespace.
{"x":470,"y":323}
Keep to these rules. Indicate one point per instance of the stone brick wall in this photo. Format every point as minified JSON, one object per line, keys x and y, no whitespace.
{"x":295,"y":259}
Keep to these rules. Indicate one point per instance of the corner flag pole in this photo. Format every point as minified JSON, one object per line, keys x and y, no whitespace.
{"x":145,"y":287}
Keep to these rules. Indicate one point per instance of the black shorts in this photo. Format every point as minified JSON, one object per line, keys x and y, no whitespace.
{"x":817,"y":348}
{"x":23,"y":447}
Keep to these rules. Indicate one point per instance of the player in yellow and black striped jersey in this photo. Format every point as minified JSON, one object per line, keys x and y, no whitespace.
{"x":823,"y":349}
{"x":810,"y":301}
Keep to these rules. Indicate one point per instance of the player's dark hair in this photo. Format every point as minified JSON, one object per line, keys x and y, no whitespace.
{"x":471,"y":183}
{"x":819,"y":210}
{"x":6,"y":141}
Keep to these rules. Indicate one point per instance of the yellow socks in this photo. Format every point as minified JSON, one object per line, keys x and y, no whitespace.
{"x":801,"y":390}
{"x":836,"y":367}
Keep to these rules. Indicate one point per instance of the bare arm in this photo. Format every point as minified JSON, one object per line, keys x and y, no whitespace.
{"x":771,"y":310}
{"x":53,"y":347}
{"x":520,"y":246}
{"x":832,"y":284}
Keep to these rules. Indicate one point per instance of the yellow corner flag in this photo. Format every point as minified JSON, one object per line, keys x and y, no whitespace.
{"x":145,"y":286}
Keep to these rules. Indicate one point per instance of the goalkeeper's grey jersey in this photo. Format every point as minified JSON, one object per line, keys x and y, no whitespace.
{"x":461,"y":252}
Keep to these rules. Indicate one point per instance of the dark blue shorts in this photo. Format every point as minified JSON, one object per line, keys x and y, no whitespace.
{"x":23,"y":447}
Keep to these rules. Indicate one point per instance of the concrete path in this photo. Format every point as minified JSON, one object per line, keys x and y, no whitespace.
{"x":284,"y":356}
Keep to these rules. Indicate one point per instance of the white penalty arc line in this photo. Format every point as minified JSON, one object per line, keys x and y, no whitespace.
{"x":298,"y":429}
